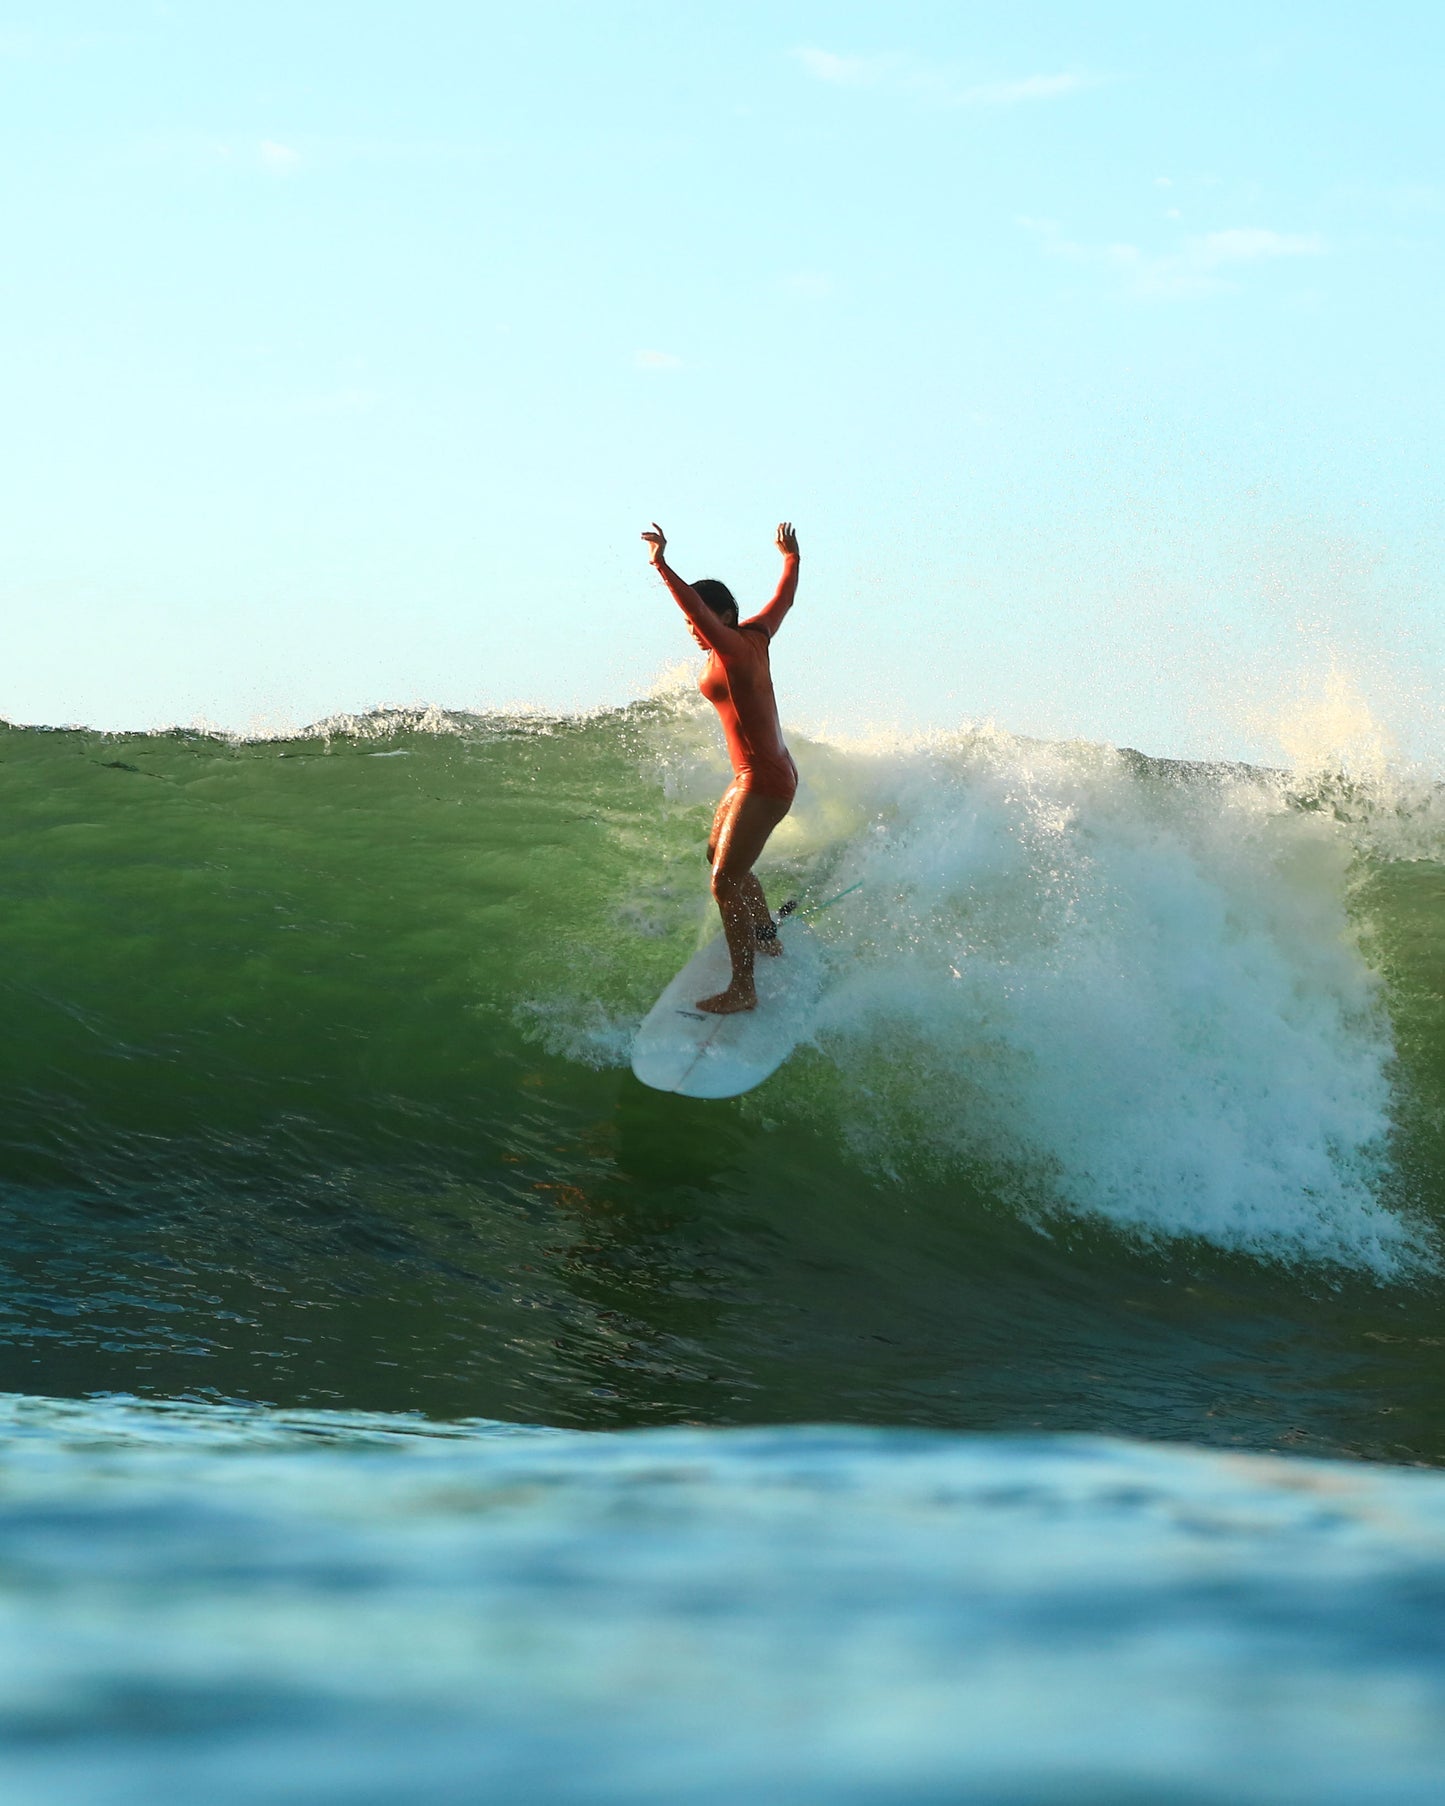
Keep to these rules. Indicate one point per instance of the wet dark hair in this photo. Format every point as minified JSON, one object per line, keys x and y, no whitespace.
{"x":719,"y":599}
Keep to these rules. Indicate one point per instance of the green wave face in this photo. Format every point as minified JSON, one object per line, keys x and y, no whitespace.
{"x":1124,"y":1111}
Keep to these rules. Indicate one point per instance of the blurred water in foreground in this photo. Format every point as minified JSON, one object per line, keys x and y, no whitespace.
{"x":230,"y":1604}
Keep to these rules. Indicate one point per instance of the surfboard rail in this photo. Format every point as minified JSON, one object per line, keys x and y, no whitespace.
{"x":693,"y":1053}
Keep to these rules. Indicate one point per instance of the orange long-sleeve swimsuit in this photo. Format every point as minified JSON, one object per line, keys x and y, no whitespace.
{"x":740,"y":688}
{"x":738,"y":682}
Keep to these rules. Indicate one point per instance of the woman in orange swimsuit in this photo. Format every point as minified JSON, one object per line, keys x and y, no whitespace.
{"x":739,"y":685}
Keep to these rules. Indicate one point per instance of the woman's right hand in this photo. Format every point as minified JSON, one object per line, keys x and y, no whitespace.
{"x":787,"y":539}
{"x":657,"y":541}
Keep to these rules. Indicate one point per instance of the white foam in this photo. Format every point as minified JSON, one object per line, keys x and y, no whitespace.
{"x":580,"y":1029}
{"x":1142,"y":1000}
{"x":1104,"y":987}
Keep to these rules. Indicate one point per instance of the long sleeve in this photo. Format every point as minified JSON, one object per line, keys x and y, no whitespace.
{"x":771,"y":617}
{"x":722,"y":638}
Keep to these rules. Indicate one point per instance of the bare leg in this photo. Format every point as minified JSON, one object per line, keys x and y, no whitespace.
{"x":742,"y":835}
{"x":720,"y":820}
{"x":757,"y":902}
{"x":762,"y":916}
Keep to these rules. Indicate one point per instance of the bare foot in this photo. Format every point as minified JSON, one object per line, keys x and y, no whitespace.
{"x":729,"y":1002}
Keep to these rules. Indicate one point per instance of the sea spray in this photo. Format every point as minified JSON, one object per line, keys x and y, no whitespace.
{"x":1138,"y":993}
{"x":1125,"y":988}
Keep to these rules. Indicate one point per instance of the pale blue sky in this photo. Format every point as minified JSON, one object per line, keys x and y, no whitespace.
{"x":1096,"y":353}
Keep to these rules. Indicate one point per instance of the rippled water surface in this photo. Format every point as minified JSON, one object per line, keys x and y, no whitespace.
{"x":229,"y":1604}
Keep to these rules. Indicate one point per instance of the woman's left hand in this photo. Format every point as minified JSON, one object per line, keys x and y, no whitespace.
{"x":657,"y":540}
{"x":787,"y":539}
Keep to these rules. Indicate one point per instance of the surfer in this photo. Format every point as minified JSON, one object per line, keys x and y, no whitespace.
{"x":738,"y":683}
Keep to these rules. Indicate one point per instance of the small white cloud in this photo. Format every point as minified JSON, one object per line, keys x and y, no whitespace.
{"x":656,"y":360}
{"x":52,"y":44}
{"x":897,"y":73}
{"x":337,"y":401}
{"x":1191,"y":271}
{"x":1246,"y":244}
{"x":1406,"y":199}
{"x":1032,"y":87}
{"x":1163,"y":181}
{"x":849,"y":71}
{"x":808,"y":285}
{"x":275,"y":405}
{"x":280,"y":159}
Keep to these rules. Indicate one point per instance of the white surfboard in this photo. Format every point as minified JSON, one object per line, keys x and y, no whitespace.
{"x":683,"y":1049}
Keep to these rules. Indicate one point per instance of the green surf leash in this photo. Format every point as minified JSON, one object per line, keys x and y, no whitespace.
{"x":793,"y":906}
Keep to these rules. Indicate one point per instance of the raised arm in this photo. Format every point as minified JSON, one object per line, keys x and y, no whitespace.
{"x":708,"y":628}
{"x":771,"y":617}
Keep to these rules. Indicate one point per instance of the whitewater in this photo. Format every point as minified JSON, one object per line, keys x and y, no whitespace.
{"x":1029,"y":1393}
{"x":1124,"y":987}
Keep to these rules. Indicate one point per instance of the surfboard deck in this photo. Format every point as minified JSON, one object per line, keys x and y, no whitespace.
{"x":683,"y":1049}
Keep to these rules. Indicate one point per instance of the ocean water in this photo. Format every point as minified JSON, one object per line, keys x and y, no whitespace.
{"x":1030,"y":1393}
